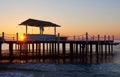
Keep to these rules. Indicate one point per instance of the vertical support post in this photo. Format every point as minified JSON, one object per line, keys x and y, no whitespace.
{"x":36,"y":49}
{"x":93,"y":37}
{"x":80,"y":49}
{"x":113,"y":38}
{"x":39,"y":49}
{"x":109,"y":44}
{"x":32,"y":48}
{"x":86,"y":37}
{"x":74,"y":38}
{"x":55,"y":30}
{"x":77,"y":49}
{"x":26,"y":29}
{"x":17,"y":37}
{"x":63,"y":46}
{"x":98,"y":43}
{"x":97,"y":49}
{"x":105,"y":44}
{"x":58,"y":44}
{"x":86,"y":43}
{"x":82,"y":38}
{"x":11,"y":50}
{"x":53,"y":48}
{"x":2,"y":36}
{"x":71,"y":49}
{"x":43,"y":49}
{"x":0,"y":49}
{"x":91,"y":49}
{"x":98,"y":38}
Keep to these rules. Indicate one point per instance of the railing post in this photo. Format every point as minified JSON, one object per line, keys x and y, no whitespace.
{"x":58,"y":37}
{"x":74,"y":38}
{"x":104,"y":37}
{"x":17,"y":37}
{"x":3,"y":36}
{"x":93,"y":37}
{"x":108,"y":38}
{"x":86,"y":37}
{"x":82,"y":38}
{"x":98,"y":38}
{"x":113,"y":38}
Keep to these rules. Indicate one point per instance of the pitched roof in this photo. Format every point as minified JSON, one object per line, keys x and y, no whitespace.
{"x":38,"y":23}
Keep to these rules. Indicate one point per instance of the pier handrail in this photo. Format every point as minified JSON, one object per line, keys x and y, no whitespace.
{"x":83,"y":37}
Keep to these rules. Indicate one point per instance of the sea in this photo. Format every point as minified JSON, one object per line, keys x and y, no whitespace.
{"x":109,"y":67}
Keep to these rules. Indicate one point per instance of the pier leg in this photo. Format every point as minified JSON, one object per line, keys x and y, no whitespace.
{"x":58,"y":48}
{"x":55,"y":49}
{"x":109,"y":49}
{"x":0,"y":49}
{"x":86,"y":50}
{"x":63,"y":46}
{"x":43,"y":49}
{"x":52,"y":48}
{"x":39,"y":49}
{"x":105,"y":49}
{"x":71,"y":49}
{"x":77,"y":49}
{"x":80,"y":49}
{"x":102,"y":50}
{"x":47,"y":48}
{"x":11,"y":51}
{"x":91,"y":53}
{"x":112,"y":49}
{"x":96,"y":49}
{"x":32,"y":49}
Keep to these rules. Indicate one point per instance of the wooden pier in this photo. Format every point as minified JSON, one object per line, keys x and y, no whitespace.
{"x":57,"y":48}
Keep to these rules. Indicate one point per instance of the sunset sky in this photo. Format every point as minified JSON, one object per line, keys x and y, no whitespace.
{"x":75,"y":16}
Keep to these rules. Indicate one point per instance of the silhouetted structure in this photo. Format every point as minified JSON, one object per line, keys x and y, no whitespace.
{"x":45,"y":46}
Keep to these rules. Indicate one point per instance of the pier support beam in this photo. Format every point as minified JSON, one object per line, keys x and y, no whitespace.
{"x":11,"y":51}
{"x":71,"y":49}
{"x":63,"y":46}
{"x":0,"y":49}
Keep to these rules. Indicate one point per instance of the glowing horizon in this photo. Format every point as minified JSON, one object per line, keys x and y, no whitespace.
{"x":75,"y":16}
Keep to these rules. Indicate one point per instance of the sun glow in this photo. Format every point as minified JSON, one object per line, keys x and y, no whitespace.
{"x":22,"y":38}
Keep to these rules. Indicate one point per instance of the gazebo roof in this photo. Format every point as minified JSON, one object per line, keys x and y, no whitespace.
{"x":38,"y":23}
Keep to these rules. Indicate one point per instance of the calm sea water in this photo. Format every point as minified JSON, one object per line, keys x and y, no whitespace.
{"x":108,"y":68}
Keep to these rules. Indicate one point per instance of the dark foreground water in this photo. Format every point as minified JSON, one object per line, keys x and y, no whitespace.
{"x":107,"y":68}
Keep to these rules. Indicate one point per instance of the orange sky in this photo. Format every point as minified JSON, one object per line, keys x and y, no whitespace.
{"x":75,"y":16}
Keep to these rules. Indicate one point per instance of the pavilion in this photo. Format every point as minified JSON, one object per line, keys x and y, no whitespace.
{"x":41,"y":25}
